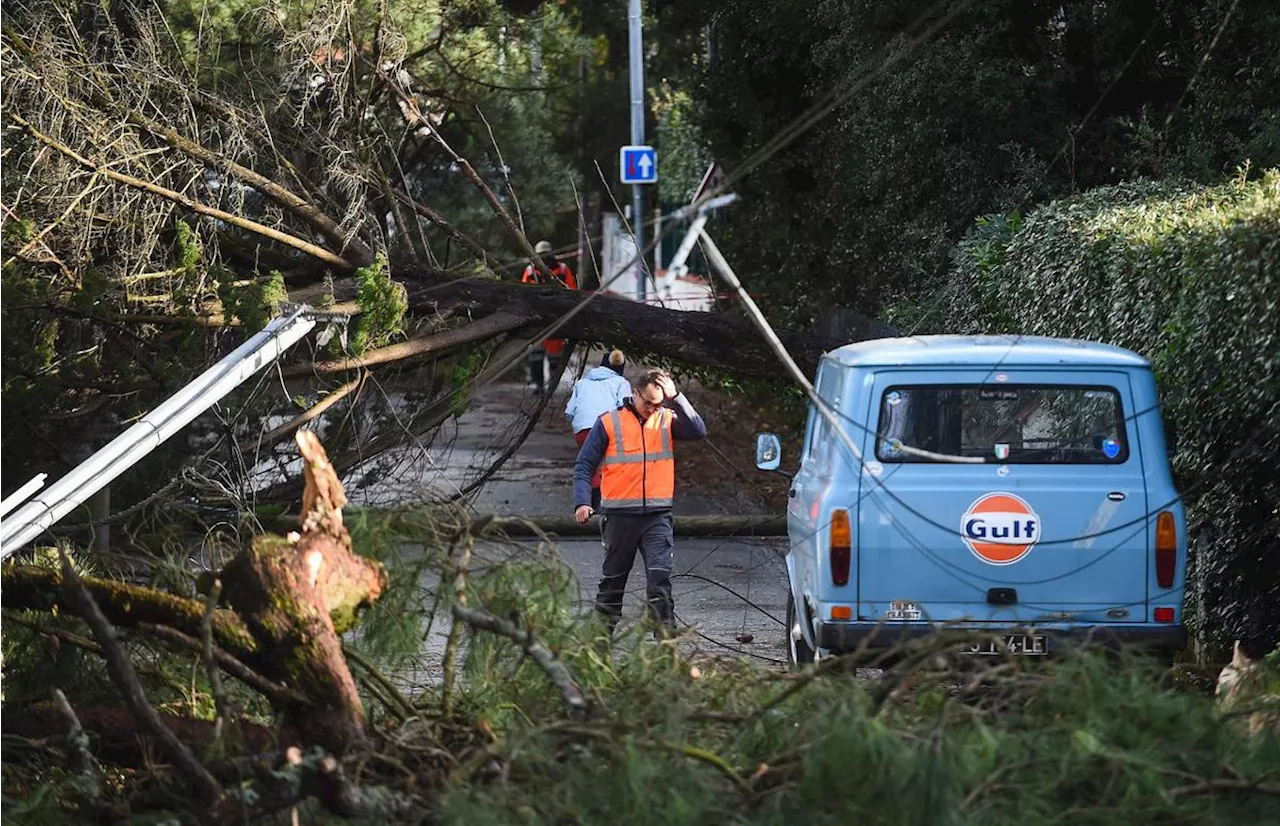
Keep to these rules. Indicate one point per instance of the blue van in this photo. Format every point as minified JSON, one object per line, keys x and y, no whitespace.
{"x":1012,"y":485}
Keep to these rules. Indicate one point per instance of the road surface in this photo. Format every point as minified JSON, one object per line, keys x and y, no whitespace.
{"x":727,"y":589}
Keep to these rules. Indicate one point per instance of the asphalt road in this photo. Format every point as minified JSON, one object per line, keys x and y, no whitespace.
{"x":730,"y":592}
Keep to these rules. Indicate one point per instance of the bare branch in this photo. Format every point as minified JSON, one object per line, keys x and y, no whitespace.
{"x":279,"y":434}
{"x":360,"y":253}
{"x":440,"y":221}
{"x":485,"y":328}
{"x":78,"y":749}
{"x":531,"y":422}
{"x":126,"y":681}
{"x":410,"y":106}
{"x":557,"y":672}
{"x":206,"y":649}
{"x":336,"y":261}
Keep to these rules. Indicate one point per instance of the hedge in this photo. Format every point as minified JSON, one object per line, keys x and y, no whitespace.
{"x":1188,"y":276}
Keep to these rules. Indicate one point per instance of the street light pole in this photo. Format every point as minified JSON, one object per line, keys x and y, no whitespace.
{"x":637,"y":136}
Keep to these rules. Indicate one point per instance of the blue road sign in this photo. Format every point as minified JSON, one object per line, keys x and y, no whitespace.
{"x":638,"y":165}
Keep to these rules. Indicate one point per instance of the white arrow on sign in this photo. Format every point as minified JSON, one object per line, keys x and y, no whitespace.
{"x":638,"y":165}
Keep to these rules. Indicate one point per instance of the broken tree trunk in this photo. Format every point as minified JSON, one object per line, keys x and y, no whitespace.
{"x":297,"y":593}
{"x":290,"y":597}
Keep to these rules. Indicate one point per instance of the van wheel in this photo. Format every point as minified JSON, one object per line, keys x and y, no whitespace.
{"x":798,"y":651}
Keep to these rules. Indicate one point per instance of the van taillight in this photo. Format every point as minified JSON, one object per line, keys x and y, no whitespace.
{"x":841,"y":542}
{"x":1166,"y":549}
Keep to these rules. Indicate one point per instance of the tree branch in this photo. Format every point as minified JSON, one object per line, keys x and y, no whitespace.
{"x":722,"y":341}
{"x":531,"y":422}
{"x":361,"y":255}
{"x":126,"y":681}
{"x":207,"y":650}
{"x":480,"y":330}
{"x":335,"y":261}
{"x":279,"y":434}
{"x":557,"y":672}
{"x":77,"y":745}
{"x":1226,"y":785}
{"x":455,"y":629}
{"x":278,"y":693}
{"x":412,"y":111}
{"x":402,"y":705}
{"x":439,"y":220}
{"x":127,"y":605}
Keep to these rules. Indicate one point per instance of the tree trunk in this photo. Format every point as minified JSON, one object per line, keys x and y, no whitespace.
{"x":298,"y":593}
{"x":292,"y":597}
{"x":272,"y":586}
{"x":722,"y":341}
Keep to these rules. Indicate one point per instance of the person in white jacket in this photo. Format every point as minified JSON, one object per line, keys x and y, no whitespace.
{"x":601,"y":390}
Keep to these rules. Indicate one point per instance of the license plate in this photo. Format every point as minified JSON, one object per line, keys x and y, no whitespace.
{"x":1030,"y":645}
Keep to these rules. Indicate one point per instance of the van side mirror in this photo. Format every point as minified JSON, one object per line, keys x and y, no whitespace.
{"x":1170,"y":438}
{"x":768,"y":451}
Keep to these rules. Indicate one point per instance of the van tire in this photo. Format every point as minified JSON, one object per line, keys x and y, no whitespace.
{"x":798,"y":651}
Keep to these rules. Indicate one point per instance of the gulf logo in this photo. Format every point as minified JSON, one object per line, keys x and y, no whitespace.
{"x":1000,"y":528}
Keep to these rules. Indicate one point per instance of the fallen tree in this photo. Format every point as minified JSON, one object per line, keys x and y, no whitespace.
{"x":230,"y":200}
{"x":288,"y":598}
{"x":725,"y":342}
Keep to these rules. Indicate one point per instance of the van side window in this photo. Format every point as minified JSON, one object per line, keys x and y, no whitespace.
{"x":1017,"y":424}
{"x":828,"y":389}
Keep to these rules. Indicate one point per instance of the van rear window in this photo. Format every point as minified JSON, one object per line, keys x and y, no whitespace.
{"x":1017,"y":424}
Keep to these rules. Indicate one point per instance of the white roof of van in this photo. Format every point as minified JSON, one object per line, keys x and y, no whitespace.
{"x":983,"y":351}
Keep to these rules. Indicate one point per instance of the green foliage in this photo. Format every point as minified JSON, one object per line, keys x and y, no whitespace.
{"x":680,"y":145}
{"x":465,"y":371}
{"x":392,"y":631}
{"x":187,"y":247}
{"x":1087,"y":739}
{"x":1189,"y":276}
{"x":253,"y":303}
{"x":1010,"y":103}
{"x":383,"y":303}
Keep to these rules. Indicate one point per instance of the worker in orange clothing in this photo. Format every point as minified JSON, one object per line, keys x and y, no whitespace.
{"x":633,"y":447}
{"x":563,"y":276}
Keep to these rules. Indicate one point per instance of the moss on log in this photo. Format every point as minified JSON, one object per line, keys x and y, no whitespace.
{"x":126,"y":605}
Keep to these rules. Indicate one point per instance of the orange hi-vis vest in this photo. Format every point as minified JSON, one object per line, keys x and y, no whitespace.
{"x":564,"y":277}
{"x":639,"y":468}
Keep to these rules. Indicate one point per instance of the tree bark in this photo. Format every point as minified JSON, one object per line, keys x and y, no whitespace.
{"x":298,"y":593}
{"x":126,"y":605}
{"x":292,"y":597}
{"x":721,"y":341}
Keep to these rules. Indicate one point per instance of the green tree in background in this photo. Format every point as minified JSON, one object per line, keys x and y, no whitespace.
{"x":1010,"y":103}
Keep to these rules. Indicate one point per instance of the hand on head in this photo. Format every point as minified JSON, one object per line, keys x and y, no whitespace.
{"x":651,"y":390}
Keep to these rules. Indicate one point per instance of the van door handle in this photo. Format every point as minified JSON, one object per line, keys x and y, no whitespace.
{"x":792,"y":493}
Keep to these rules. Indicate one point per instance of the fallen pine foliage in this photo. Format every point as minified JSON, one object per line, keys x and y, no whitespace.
{"x":544,"y":720}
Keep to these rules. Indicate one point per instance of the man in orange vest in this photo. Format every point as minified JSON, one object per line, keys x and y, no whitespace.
{"x":563,"y":276}
{"x":633,"y":447}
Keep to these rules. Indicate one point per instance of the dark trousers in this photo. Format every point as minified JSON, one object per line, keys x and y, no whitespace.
{"x":536,"y":359}
{"x":653,"y":536}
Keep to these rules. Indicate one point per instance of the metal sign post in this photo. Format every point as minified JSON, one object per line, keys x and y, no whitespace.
{"x":637,"y":135}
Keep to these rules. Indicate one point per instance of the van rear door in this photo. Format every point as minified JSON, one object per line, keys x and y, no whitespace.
{"x":1003,"y":497}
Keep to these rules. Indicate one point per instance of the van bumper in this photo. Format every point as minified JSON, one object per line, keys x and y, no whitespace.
{"x":850,"y":636}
